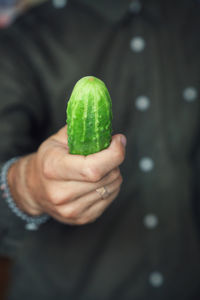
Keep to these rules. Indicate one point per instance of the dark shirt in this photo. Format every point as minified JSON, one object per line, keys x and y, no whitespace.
{"x":146,"y":245}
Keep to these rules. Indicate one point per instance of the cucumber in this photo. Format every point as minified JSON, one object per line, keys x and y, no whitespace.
{"x":89,"y":117}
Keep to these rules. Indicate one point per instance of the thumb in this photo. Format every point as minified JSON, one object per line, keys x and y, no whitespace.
{"x":117,"y":145}
{"x":118,"y":139}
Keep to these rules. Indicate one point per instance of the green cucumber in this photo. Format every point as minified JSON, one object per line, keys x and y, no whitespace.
{"x":89,"y":117}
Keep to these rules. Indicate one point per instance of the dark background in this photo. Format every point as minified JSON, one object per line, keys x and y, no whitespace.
{"x":5,"y":264}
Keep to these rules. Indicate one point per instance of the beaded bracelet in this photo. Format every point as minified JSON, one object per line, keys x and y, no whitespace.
{"x":32,"y":223}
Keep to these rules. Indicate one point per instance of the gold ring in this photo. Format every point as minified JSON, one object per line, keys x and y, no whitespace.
{"x":102,"y":192}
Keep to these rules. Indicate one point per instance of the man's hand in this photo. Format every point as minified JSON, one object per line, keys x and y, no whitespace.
{"x":64,"y":185}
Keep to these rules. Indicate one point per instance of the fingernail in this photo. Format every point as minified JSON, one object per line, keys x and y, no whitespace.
{"x":123,"y":140}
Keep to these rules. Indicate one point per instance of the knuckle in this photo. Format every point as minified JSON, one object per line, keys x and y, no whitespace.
{"x":47,"y":164}
{"x":70,"y":213}
{"x":92,"y":174}
{"x":83,"y":221}
{"x":55,"y":195}
{"x":68,"y":196}
{"x":115,"y":173}
{"x":46,"y":169}
{"x":92,"y":220}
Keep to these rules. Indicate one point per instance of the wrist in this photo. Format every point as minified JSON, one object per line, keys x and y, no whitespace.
{"x":32,"y":222}
{"x":18,"y":183}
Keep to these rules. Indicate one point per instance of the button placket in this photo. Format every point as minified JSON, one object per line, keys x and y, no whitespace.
{"x":146,"y":164}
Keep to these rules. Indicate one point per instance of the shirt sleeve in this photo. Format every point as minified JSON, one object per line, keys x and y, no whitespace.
{"x":21,"y":117}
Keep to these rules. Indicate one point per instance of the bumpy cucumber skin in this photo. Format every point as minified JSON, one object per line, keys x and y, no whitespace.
{"x":89,"y":117}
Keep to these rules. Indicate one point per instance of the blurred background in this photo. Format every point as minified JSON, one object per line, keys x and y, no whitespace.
{"x":5,"y":265}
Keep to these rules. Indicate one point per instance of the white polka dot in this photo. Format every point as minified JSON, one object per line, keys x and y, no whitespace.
{"x":135,"y":6}
{"x":59,"y":3}
{"x":146,"y":164}
{"x":31,"y":226}
{"x":156,"y":279}
{"x":150,"y":221}
{"x":142,"y":103}
{"x":190,"y":94}
{"x":137,"y":44}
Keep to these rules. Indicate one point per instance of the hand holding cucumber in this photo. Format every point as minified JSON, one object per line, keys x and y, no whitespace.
{"x":74,"y":189}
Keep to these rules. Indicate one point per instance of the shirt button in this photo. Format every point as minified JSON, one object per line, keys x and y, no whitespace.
{"x":142,"y":103}
{"x":150,"y":221}
{"x":156,"y":279}
{"x":137,"y":44}
{"x":135,"y":6}
{"x":190,"y":94}
{"x":59,"y":3}
{"x":146,"y":164}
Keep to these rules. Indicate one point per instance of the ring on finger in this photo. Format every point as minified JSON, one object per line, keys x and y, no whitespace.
{"x":103,"y":192}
